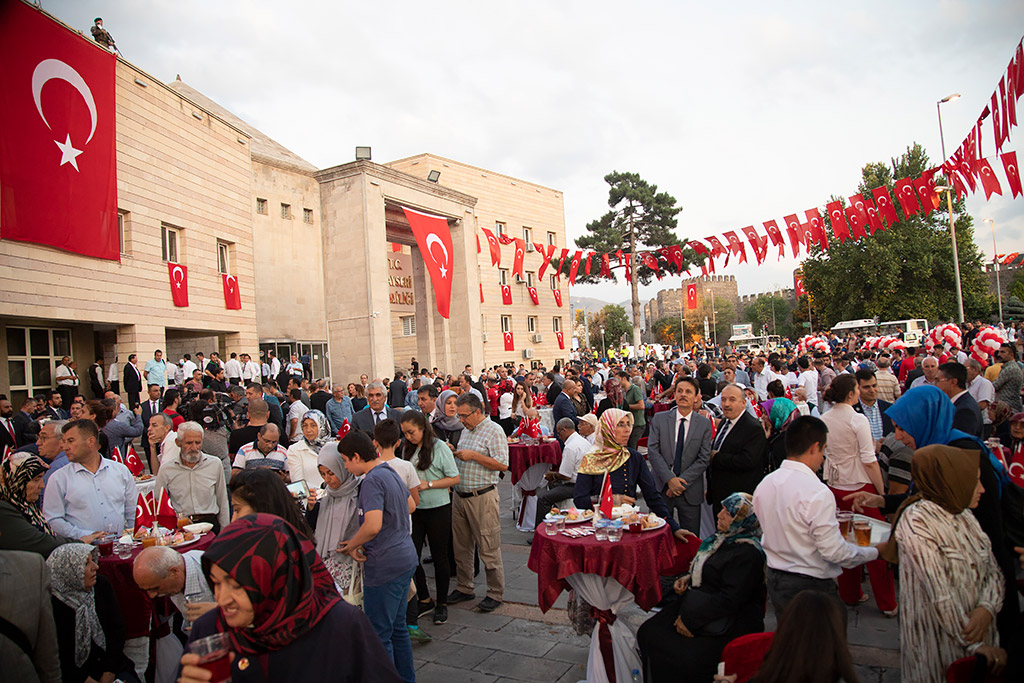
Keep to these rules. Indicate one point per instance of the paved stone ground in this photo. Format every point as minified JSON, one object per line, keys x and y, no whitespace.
{"x":518,"y":643}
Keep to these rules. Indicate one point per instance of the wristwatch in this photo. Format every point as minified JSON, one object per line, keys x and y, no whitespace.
{"x":430,"y":484}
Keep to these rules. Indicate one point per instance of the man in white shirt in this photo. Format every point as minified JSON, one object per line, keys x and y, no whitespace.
{"x":194,"y":480}
{"x":163,"y":446}
{"x":188,"y":367}
{"x":275,"y":366}
{"x":801,"y":539}
{"x":763,"y":376}
{"x":233,"y":370}
{"x":67,"y":381}
{"x":930,"y":366}
{"x":562,"y":483}
{"x":250,"y":369}
{"x":808,"y":379}
{"x":983,"y":392}
{"x":113,"y":376}
{"x":588,"y":428}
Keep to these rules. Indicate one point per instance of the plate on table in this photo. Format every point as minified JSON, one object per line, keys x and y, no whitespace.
{"x":880,"y":530}
{"x":582,"y":516}
{"x":143,"y":477}
{"x":182,"y":544}
{"x":660,"y":523}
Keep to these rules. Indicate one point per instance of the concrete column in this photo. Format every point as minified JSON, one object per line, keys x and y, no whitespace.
{"x":142,"y":340}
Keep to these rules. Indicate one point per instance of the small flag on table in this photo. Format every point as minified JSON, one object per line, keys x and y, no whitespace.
{"x":606,"y":497}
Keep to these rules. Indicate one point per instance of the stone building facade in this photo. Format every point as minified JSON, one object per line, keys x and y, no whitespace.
{"x":669,"y":302}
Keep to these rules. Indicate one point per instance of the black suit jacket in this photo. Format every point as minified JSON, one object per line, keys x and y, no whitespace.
{"x":552,"y":393}
{"x":739,"y":463}
{"x":886,"y":420}
{"x":731,"y":596}
{"x":563,"y":407}
{"x":133,"y":379}
{"x":967,"y":417}
{"x":396,"y":393}
{"x":22,"y":422}
{"x":363,"y":420}
{"x":55,"y":413}
{"x":5,"y":437}
{"x":146,"y":414}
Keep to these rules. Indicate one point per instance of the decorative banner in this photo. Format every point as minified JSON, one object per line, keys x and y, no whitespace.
{"x":586,"y":269}
{"x":179,"y":283}
{"x":856,"y":223}
{"x":510,"y":344}
{"x":481,"y":292}
{"x":58,"y":166}
{"x":574,"y":267}
{"x":504,"y":239}
{"x":758,"y":243}
{"x":506,"y":295}
{"x":772,"y":228}
{"x":874,"y":222}
{"x":495,"y":248}
{"x":558,"y":297}
{"x":691,"y":296}
{"x":886,"y":210}
{"x":1012,"y":174}
{"x":145,"y":517}
{"x":817,"y":228}
{"x":907,"y":196}
{"x":561,"y":262}
{"x":517,"y":262}
{"x":798,"y":284}
{"x":533,"y":295}
{"x":735,"y":246}
{"x":988,"y":179}
{"x":435,"y":243}
{"x":925,"y":187}
{"x":795,"y":233}
{"x":232,"y":297}
{"x":547,"y":252}
{"x":606,"y":269}
{"x":561,"y":340}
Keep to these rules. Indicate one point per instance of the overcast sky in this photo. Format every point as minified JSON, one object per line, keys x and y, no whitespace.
{"x":743,"y":111}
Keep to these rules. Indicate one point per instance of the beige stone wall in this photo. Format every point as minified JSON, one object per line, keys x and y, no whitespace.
{"x":518,"y":204}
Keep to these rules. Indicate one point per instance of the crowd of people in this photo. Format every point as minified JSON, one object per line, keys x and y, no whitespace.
{"x":334,"y":490}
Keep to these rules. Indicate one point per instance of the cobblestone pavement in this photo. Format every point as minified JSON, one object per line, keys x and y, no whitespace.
{"x":517,"y":642}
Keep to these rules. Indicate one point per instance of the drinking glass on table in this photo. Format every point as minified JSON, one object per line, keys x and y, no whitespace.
{"x":615,"y":531}
{"x":601,"y":529}
{"x":214,"y":656}
{"x":554,"y":525}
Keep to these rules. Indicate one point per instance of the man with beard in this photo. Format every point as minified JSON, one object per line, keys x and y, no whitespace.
{"x":195,"y":480}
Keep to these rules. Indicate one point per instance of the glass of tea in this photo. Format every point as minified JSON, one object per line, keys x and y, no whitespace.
{"x":183,"y":522}
{"x":845,"y":520}
{"x":214,"y":656}
{"x":862,"y":532}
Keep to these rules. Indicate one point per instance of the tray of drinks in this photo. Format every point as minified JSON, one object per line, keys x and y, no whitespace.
{"x":863,"y":530}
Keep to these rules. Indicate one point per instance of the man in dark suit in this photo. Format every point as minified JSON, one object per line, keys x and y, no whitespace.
{"x":564,"y":406}
{"x":952,"y":379}
{"x":52,"y":407}
{"x":8,"y":432}
{"x":150,"y":407}
{"x":396,"y":392}
{"x":678,"y":465}
{"x":23,"y":422}
{"x":737,"y":452}
{"x":376,"y":410}
{"x":872,"y":407}
{"x":132,"y":382}
{"x":551,"y":387}
{"x":25,"y":605}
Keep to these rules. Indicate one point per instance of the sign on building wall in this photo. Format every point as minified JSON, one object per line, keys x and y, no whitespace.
{"x":400,"y":285}
{"x":744,"y":330}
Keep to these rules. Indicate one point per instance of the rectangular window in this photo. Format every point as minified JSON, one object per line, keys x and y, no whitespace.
{"x":527,"y":235}
{"x":503,"y":276}
{"x":556,"y":324}
{"x":551,"y":238}
{"x":529,"y":279}
{"x":169,"y":239}
{"x":531,"y":324}
{"x":506,"y":323}
{"x":32,"y":357}
{"x":408,"y":326}
{"x":499,"y":228}
{"x":122,"y":231}
{"x":223,"y":258}
{"x":286,"y":211}
{"x":307,"y":216}
{"x":261,"y":206}
{"x":554,"y":285}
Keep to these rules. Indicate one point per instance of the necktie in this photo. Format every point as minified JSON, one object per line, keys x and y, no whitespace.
{"x":680,"y":439}
{"x":379,"y":418}
{"x":10,"y":429}
{"x":723,"y":428}
{"x":152,"y":408}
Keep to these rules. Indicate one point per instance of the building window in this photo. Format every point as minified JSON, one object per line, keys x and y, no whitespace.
{"x":169,"y":240}
{"x":307,"y":216}
{"x":531,"y":324}
{"x":122,"y":231}
{"x":556,"y":324}
{"x":503,"y":276}
{"x":527,"y":235}
{"x":408,"y":325}
{"x":286,"y":211}
{"x":32,"y":357}
{"x":554,"y":285}
{"x":261,"y":206}
{"x":529,"y":279}
{"x":506,"y":323}
{"x":499,"y":228}
{"x":551,"y":238}
{"x":223,"y":258}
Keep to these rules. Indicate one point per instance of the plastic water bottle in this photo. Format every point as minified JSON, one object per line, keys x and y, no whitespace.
{"x":636,"y":676}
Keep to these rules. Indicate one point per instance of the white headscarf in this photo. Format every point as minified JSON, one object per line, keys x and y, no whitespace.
{"x":337,"y":519}
{"x":67,"y":582}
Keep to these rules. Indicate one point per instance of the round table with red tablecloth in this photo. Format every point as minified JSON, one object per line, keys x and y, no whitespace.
{"x":522,"y":457}
{"x":608,"y":576}
{"x":527,"y":464}
{"x":135,"y":605}
{"x":659,"y":407}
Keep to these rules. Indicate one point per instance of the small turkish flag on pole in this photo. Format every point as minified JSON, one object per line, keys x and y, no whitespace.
{"x":510,"y":344}
{"x":132,"y":462}
{"x":506,"y":295}
{"x":435,"y":242}
{"x":493,"y":246}
{"x":886,"y":210}
{"x":144,"y":515}
{"x":232,"y":297}
{"x":533,"y":295}
{"x":558,"y":297}
{"x":115,"y":455}
{"x":561,"y":340}
{"x":165,"y":514}
{"x":179,"y":283}
{"x":606,"y":497}
{"x":691,"y":296}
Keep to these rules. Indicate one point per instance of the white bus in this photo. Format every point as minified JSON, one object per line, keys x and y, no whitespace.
{"x":913,"y":331}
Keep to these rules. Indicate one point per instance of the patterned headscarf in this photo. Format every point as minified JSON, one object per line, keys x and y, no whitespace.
{"x":1000,"y":412}
{"x":449,"y":424}
{"x":744,"y":529}
{"x":16,"y":476}
{"x":287,"y":582}
{"x":607,"y":455}
{"x":324,"y":433}
{"x":781,"y":411}
{"x":67,"y":583}
{"x":613,"y":390}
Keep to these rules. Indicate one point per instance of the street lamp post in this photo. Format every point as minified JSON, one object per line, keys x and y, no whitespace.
{"x":995,"y":262}
{"x":949,"y":206}
{"x":714,"y":315}
{"x":604,"y":353}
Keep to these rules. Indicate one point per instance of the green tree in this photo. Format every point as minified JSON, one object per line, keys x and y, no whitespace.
{"x":612,"y":324}
{"x":904,"y":271}
{"x":1017,"y":284}
{"x":666,"y":331}
{"x":1013,"y":308}
{"x":771,"y":312}
{"x":641,"y":218}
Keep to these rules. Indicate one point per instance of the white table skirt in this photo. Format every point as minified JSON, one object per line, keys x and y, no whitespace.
{"x":608,"y":594}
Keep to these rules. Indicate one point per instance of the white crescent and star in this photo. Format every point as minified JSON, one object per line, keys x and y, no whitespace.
{"x":177,"y":280}
{"x":431,"y":240}
{"x":50,"y":69}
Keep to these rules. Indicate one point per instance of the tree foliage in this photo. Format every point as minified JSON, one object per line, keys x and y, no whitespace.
{"x":905,"y":271}
{"x":613,"y":320}
{"x":1017,"y":284}
{"x":761,"y":314}
{"x":1013,"y":308}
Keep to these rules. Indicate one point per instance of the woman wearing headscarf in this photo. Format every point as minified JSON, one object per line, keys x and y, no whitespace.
{"x":777,"y":414}
{"x":951,"y":586}
{"x":625,"y":467}
{"x":303,"y":454}
{"x":22,"y":526}
{"x":281,"y":612}
{"x":90,"y":628}
{"x":446,"y":425}
{"x":334,"y":517}
{"x":721,"y":598}
{"x":612,"y":396}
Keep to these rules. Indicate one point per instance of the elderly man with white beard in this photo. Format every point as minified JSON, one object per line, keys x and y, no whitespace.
{"x":195,"y":480}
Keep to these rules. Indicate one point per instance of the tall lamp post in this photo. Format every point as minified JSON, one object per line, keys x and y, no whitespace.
{"x":714,"y":315}
{"x":604,"y":353}
{"x":995,"y":262}
{"x":949,"y":205}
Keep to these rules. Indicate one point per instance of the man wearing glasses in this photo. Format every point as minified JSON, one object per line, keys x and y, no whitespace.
{"x":481,"y":455}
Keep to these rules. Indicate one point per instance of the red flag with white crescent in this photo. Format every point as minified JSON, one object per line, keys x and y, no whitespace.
{"x":561,"y":340}
{"x":988,"y":179}
{"x":517,"y":262}
{"x":493,"y":247}
{"x":144,"y":513}
{"x":691,"y":296}
{"x":818,"y":231}
{"x":869,"y":214}
{"x":925,"y":188}
{"x":133,"y":463}
{"x":675,"y":255}
{"x":179,"y":283}
{"x":561,"y":262}
{"x":1012,"y":173}
{"x":795,"y":232}
{"x":606,"y":268}
{"x":856,"y":228}
{"x":607,"y":502}
{"x":547,"y":252}
{"x":510,"y":344}
{"x":574,"y":267}
{"x":886,"y":210}
{"x":775,"y":235}
{"x":558,"y":297}
{"x":232,"y":297}
{"x":58,"y":166}
{"x":165,"y":514}
{"x":115,"y":455}
{"x":907,"y":196}
{"x":504,"y":239}
{"x":586,"y":269}
{"x":1009,"y":258}
{"x":506,"y":295}
{"x":758,"y":243}
{"x":735,"y":246}
{"x":435,"y":242}
{"x":533,"y":295}
{"x":708,"y":263}
{"x":997,"y":127}
{"x":798,"y":285}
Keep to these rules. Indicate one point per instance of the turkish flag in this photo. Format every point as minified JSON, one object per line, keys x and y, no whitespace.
{"x":495,"y":248}
{"x":840,"y":231}
{"x":997,"y":129}
{"x":708,"y":264}
{"x":517,"y":262}
{"x":132,"y":462}
{"x":510,"y":344}
{"x":772,"y":228}
{"x":574,"y":267}
{"x":675,"y":255}
{"x":691,"y":296}
{"x":115,"y":455}
{"x":907,"y":196}
{"x":165,"y":514}
{"x":533,"y":295}
{"x":817,"y":227}
{"x":856,"y":228}
{"x":857,"y":202}
{"x":798,"y":285}
{"x":1012,"y":173}
{"x":925,"y":189}
{"x":481,"y":292}
{"x":874,"y":222}
{"x":561,"y":262}
{"x":717,"y":248}
{"x":1011,"y":95}
{"x":606,"y":498}
{"x":232,"y":297}
{"x":506,"y":295}
{"x":547,"y":253}
{"x":758,"y":243}
{"x":145,"y":517}
{"x":586,"y":268}
{"x":505,"y":239}
{"x":838,"y":218}
{"x":558,"y":297}
{"x":1002,"y":110}
{"x":58,"y":167}
{"x":179,"y":283}
{"x":1010,"y":257}
{"x":606,"y":269}
{"x":988,"y":179}
{"x":435,"y":243}
{"x":735,"y":245}
{"x":885,"y":208}
{"x":561,"y":340}
{"x":795,"y":232}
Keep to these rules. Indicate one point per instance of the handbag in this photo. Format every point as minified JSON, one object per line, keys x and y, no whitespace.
{"x":353,"y":594}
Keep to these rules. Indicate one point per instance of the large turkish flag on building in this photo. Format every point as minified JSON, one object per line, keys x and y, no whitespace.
{"x":691,"y":296}
{"x":232,"y":297}
{"x":435,"y":243}
{"x":58,"y":179}
{"x":179,"y":283}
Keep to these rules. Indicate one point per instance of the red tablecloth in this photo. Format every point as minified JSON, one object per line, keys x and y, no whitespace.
{"x":135,"y":605}
{"x":660,"y":407}
{"x":522,"y":457}
{"x":635,"y":562}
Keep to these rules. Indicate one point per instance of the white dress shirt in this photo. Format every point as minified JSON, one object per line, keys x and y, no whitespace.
{"x":169,"y":448}
{"x":77,"y":502}
{"x":187,"y":368}
{"x":576,"y":447}
{"x":798,"y":519}
{"x":112,"y":373}
{"x":233,"y":369}
{"x":250,"y":371}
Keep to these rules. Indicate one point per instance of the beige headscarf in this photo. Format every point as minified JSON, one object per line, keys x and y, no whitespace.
{"x":607,"y":455}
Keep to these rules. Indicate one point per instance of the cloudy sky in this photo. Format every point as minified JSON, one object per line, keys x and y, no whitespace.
{"x":743,"y":111}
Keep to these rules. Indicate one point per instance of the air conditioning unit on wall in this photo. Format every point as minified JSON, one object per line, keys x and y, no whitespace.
{"x":537,"y":338}
{"x":527,"y":353}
